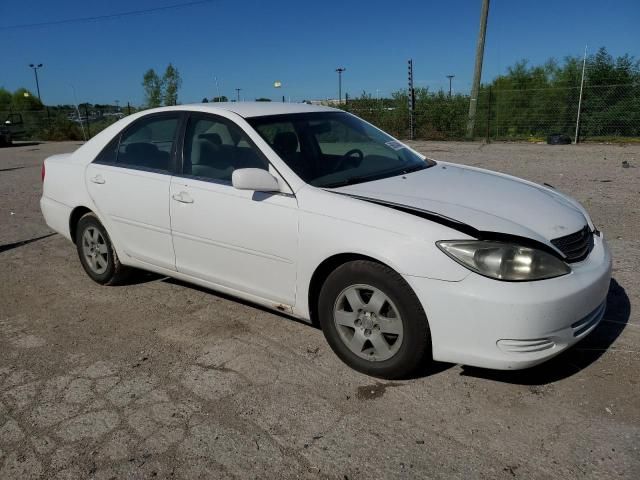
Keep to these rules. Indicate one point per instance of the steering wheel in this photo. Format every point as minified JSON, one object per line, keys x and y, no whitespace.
{"x":348,"y":158}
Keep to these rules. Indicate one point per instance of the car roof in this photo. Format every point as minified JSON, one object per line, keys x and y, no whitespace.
{"x":252,"y":109}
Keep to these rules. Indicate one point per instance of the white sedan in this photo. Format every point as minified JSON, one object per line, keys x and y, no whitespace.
{"x":311,"y":211}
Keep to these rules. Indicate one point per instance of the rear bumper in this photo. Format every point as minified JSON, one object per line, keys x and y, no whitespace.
{"x":513,"y":325}
{"x":56,"y":215}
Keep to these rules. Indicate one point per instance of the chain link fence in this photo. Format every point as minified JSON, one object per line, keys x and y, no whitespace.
{"x":607,"y":112}
{"x":61,"y":122}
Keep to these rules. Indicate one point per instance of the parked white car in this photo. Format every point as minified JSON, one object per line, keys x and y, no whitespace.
{"x":311,"y":211}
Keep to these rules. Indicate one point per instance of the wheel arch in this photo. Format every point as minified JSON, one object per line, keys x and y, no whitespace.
{"x":76,"y":214}
{"x":323,"y":270}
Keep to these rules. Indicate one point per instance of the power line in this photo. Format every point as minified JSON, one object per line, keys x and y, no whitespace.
{"x":105,"y":17}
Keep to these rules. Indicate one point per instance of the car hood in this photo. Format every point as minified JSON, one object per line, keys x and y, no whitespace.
{"x":484,"y":200}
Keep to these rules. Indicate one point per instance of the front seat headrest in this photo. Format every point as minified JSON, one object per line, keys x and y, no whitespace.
{"x":212,"y":137}
{"x":285,"y":143}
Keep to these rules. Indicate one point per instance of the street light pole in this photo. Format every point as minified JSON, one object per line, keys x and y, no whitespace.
{"x":35,"y":71}
{"x":238,"y":94}
{"x":340,"y":70}
{"x":450,"y":77}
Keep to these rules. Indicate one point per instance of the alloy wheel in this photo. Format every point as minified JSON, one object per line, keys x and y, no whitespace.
{"x":94,"y":248}
{"x":368,"y":322}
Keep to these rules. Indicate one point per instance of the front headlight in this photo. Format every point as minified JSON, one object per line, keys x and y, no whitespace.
{"x":504,"y":261}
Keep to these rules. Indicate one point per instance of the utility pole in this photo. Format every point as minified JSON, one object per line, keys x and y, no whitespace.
{"x":477,"y":73}
{"x":450,"y":77}
{"x":340,"y":70}
{"x":238,"y":94}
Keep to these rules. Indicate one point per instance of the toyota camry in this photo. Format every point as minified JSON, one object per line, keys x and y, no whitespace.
{"x":314,"y":212}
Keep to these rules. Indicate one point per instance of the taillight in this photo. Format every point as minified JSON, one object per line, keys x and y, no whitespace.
{"x":42,"y":172}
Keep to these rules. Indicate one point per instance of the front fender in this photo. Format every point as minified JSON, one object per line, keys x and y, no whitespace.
{"x":333,"y":224}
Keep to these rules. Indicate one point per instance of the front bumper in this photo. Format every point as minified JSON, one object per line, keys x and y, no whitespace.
{"x":513,"y":325}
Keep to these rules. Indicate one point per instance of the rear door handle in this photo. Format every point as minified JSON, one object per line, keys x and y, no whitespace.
{"x":98,"y":179}
{"x":182,"y":197}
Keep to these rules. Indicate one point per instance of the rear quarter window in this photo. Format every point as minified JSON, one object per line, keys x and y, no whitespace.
{"x":109,"y":154}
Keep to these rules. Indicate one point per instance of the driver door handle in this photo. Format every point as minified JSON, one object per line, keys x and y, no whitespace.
{"x":182,"y":197}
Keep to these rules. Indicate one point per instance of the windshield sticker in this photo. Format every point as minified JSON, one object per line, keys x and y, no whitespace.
{"x":395,"y":145}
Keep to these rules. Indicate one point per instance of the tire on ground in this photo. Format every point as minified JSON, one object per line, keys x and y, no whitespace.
{"x":558,"y":139}
{"x":415,"y":349}
{"x":115,"y":272}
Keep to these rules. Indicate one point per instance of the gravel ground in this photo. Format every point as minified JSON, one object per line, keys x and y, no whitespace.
{"x":161,"y":379}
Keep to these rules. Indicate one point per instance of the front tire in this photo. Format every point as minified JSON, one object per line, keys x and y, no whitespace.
{"x":373,"y":320}
{"x":96,"y":252}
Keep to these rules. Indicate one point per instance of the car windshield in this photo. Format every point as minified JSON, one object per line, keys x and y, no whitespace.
{"x":334,"y":149}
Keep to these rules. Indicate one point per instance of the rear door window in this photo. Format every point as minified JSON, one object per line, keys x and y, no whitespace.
{"x":148,"y":144}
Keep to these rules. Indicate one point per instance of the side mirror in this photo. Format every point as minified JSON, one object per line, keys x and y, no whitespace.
{"x":255,"y":179}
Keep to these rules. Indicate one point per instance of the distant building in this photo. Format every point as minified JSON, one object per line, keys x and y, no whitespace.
{"x":328,"y":101}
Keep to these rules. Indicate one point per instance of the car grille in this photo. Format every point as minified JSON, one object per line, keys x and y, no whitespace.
{"x":575,"y":246}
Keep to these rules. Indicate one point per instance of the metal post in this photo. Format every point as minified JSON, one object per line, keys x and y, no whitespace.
{"x":584,"y":63}
{"x":340,"y":70}
{"x":75,"y":103}
{"x":488,"y":139}
{"x":450,"y":77}
{"x":217,"y":88}
{"x":86,"y":114}
{"x":477,"y":73}
{"x":238,"y":94}
{"x":412,"y":102}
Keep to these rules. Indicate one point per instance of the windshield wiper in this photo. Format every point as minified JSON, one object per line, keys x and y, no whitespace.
{"x":415,"y":168}
{"x":371,"y":178}
{"x":345,"y":182}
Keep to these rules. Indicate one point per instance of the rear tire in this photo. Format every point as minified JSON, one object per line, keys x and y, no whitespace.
{"x":373,"y":320}
{"x":97,"y":255}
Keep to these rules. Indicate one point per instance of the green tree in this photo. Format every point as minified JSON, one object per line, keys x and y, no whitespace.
{"x":263,"y":99}
{"x":221,"y":98}
{"x":152,"y":85}
{"x":171,"y":82}
{"x":5,"y":99}
{"x":23,"y":99}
